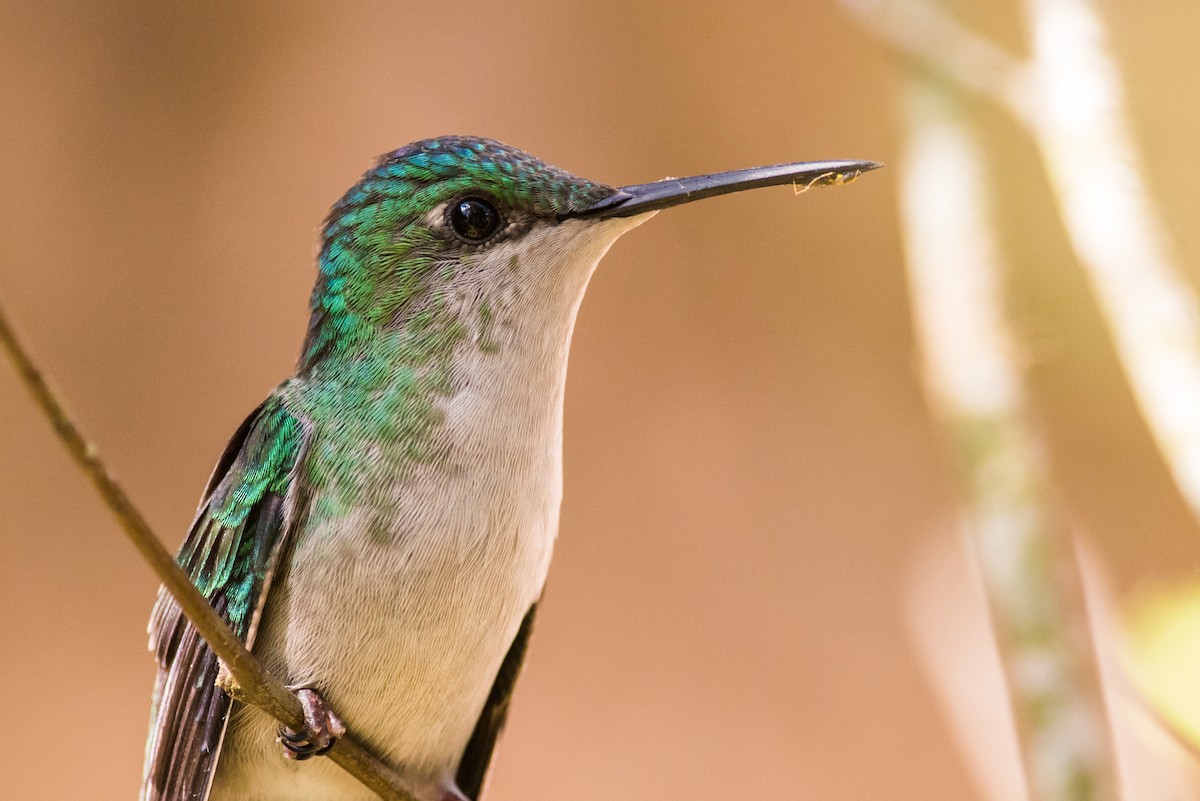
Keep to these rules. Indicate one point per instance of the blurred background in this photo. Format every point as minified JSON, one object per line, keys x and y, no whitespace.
{"x":760,"y":587}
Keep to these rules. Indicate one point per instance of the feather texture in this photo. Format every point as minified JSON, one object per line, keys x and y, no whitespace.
{"x":230,"y":553}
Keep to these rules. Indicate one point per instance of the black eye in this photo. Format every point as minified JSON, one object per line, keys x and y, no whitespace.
{"x":474,"y":219}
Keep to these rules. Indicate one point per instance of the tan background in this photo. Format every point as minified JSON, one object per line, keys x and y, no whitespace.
{"x":750,"y":472}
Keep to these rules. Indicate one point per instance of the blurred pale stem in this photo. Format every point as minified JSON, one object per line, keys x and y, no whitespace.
{"x":922,"y":30}
{"x":975,"y":389}
{"x":1070,"y":98}
{"x":1082,"y":130}
{"x":253,"y":683}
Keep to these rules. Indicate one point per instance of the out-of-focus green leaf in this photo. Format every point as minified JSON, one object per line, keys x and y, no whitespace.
{"x":1164,"y":657}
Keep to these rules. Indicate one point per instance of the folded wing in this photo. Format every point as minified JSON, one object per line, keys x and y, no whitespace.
{"x":230,"y":553}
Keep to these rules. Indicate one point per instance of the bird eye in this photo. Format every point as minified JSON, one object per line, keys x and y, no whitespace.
{"x":474,"y":219}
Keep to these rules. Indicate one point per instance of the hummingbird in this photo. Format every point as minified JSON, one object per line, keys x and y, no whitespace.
{"x":378,"y":531}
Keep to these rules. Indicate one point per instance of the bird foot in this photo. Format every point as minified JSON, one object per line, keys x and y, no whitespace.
{"x":322,"y":728}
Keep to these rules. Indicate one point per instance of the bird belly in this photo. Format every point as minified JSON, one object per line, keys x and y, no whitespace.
{"x":399,"y":613}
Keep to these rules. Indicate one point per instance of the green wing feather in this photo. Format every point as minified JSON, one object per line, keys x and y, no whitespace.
{"x":230,"y":553}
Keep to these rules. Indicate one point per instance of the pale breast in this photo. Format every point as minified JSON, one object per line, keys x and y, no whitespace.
{"x":400,"y":614}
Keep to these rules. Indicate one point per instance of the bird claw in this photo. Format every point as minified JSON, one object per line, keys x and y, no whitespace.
{"x":321,"y":731}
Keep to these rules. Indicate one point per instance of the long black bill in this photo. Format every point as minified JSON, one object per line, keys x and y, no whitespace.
{"x":640,"y":198}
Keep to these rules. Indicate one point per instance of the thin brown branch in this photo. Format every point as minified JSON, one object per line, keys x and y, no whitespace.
{"x":256,"y":685}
